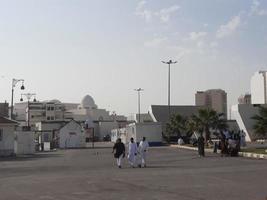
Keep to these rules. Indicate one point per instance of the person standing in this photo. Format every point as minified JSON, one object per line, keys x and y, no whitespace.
{"x":143,"y":146}
{"x":132,"y":152}
{"x":200,"y":145}
{"x":119,"y":151}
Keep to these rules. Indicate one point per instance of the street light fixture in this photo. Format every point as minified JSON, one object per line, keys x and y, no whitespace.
{"x":28,"y":96}
{"x":139,"y":115}
{"x":14,"y":83}
{"x":169,"y":63}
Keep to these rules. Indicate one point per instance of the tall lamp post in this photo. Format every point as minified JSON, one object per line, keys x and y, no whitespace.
{"x":169,"y":63}
{"x":14,"y":83}
{"x":139,"y":115}
{"x":28,"y":96}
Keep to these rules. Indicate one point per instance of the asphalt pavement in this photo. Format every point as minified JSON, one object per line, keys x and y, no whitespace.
{"x":172,"y":173}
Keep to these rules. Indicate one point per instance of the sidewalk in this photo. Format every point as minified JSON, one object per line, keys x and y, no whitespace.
{"x":242,"y":154}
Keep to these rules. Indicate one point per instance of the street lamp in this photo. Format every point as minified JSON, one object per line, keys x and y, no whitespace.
{"x":169,"y":63}
{"x":14,"y":82}
{"x":139,"y":115}
{"x":28,"y":96}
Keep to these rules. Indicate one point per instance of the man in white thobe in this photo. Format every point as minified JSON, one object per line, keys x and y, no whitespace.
{"x":143,"y":146}
{"x":132,"y":152}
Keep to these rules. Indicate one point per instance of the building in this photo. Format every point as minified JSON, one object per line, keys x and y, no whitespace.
{"x":47,"y":117}
{"x":160,"y":113}
{"x":34,"y":112}
{"x":71,"y":136}
{"x":243,"y":114}
{"x":7,"y":136}
{"x":244,"y":99}
{"x":4,"y":109}
{"x":215,"y":99}
{"x":144,"y":117}
{"x":151,"y":130}
{"x":103,"y":120}
{"x":24,"y":142}
{"x":258,"y":87}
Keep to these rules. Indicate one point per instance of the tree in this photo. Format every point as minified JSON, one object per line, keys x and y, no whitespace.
{"x":260,"y":126}
{"x":175,"y":126}
{"x":207,"y":120}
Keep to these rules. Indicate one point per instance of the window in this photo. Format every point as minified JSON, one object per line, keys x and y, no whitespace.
{"x":48,"y":118}
{"x":1,"y":134}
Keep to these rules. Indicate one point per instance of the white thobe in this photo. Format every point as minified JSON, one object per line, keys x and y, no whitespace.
{"x":143,"y":146}
{"x":132,"y":151}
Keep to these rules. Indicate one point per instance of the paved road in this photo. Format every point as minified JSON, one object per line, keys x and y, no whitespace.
{"x":92,"y":174}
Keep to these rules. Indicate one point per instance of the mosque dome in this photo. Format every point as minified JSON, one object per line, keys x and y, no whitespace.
{"x":88,"y":102}
{"x":55,"y":101}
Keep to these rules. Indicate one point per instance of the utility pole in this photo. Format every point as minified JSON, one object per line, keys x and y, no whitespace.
{"x":28,"y":96}
{"x":169,"y":63}
{"x":139,"y":114}
{"x":14,"y":83}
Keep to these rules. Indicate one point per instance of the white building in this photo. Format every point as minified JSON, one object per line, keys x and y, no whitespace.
{"x":7,"y":136}
{"x":48,"y":117}
{"x":151,"y":130}
{"x":35,"y":112}
{"x":71,"y":136}
{"x":258,"y":86}
{"x":24,"y":142}
{"x":103,"y":121}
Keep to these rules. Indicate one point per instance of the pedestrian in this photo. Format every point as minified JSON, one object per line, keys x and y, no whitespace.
{"x":200,"y":145}
{"x":143,"y":146}
{"x":223,"y":145}
{"x":119,"y":151}
{"x":132,"y":152}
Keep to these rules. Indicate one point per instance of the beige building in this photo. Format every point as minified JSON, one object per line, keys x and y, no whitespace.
{"x":214,"y":98}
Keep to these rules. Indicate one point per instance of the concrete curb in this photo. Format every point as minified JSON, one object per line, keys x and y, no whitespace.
{"x":252,"y":155}
{"x":242,"y":154}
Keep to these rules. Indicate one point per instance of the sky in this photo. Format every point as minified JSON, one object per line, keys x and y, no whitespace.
{"x":66,"y":49}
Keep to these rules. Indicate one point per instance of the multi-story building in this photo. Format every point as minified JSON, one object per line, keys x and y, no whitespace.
{"x":244,"y":99}
{"x":35,"y":112}
{"x":49,"y":116}
{"x":258,"y":87}
{"x":214,"y":98}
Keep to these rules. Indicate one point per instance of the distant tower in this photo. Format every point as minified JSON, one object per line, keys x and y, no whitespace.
{"x":214,"y":98}
{"x":244,"y":99}
{"x":258,"y":87}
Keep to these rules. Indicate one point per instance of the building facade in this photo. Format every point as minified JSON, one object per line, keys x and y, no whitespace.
{"x":214,"y":98}
{"x":258,"y":87}
{"x":244,"y":99}
{"x":4,"y":109}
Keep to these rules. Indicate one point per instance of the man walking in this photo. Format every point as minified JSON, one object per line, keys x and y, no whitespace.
{"x":132,"y":152}
{"x":120,"y":151}
{"x":143,"y":146}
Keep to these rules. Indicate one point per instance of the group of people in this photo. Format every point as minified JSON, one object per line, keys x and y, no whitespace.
{"x":134,"y":151}
{"x":230,"y":142}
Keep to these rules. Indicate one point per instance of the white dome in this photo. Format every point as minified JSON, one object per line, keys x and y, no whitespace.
{"x":88,"y":102}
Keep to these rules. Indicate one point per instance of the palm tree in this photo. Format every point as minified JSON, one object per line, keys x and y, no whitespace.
{"x":260,"y":126}
{"x":207,"y":120}
{"x":175,"y":126}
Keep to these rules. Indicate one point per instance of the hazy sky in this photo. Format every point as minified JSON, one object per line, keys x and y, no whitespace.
{"x":65,"y":49}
